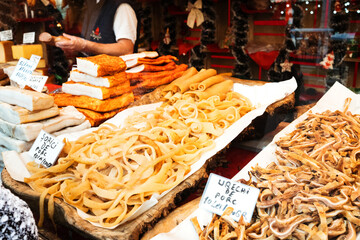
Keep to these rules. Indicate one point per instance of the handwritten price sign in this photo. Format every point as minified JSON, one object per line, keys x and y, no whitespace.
{"x":221,"y":193}
{"x":46,"y":149}
{"x":6,"y":35}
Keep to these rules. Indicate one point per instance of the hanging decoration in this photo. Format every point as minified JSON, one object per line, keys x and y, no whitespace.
{"x":208,"y":27}
{"x":328,"y":61}
{"x":276,"y":73}
{"x":286,"y":66}
{"x":240,"y":31}
{"x":207,"y":34}
{"x":169,"y":29}
{"x":339,"y":22}
{"x":289,"y":12}
{"x":145,"y":38}
{"x":167,"y":39}
{"x":195,"y":14}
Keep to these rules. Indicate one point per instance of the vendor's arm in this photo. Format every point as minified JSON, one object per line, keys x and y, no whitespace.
{"x":76,"y":44}
{"x":121,"y":47}
{"x":124,"y":27}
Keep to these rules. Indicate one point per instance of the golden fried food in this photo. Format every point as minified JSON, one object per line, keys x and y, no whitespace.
{"x":313,"y":190}
{"x":110,"y":172}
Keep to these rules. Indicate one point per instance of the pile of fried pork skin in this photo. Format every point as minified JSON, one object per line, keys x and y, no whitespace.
{"x":312,"y":191}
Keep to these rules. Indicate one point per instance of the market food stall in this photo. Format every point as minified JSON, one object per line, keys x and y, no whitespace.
{"x":192,"y":131}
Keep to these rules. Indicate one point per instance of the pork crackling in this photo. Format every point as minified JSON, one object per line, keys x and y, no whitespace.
{"x":312,"y":191}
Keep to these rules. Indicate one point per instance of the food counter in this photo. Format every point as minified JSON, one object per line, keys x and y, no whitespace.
{"x":68,"y":216}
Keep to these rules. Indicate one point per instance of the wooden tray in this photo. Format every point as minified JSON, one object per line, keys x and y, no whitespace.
{"x":66,"y":216}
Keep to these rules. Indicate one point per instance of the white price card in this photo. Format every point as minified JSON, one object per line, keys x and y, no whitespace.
{"x":23,"y":70}
{"x":37,"y":82}
{"x":46,"y":149}
{"x":6,"y":35}
{"x":35,"y":58}
{"x":221,"y":192}
{"x":29,"y":37}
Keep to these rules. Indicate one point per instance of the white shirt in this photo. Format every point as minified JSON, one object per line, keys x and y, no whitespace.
{"x":125,"y":22}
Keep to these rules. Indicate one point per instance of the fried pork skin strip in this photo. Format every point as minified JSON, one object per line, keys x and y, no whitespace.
{"x":313,"y":190}
{"x":100,"y":65}
{"x":221,"y":227}
{"x":94,"y":104}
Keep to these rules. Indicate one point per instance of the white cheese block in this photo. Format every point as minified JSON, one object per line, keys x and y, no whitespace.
{"x":87,"y":67}
{"x":101,"y":93}
{"x":15,"y":114}
{"x":131,"y":63}
{"x":69,"y":116}
{"x":15,"y":164}
{"x":136,"y":69}
{"x":77,"y":76}
{"x":82,"y":126}
{"x":14,"y":144}
{"x":30,"y":100}
{"x":148,"y":54}
{"x":24,"y":132}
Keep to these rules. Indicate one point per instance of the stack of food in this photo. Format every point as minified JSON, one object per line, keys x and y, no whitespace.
{"x":116,"y":169}
{"x":23,"y":113}
{"x":199,"y":85}
{"x":147,"y":73}
{"x":98,"y":88}
{"x":312,"y":191}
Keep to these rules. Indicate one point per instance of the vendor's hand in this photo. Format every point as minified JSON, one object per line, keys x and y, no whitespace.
{"x":72,"y":44}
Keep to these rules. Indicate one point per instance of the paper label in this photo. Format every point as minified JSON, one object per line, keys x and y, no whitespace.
{"x":6,"y":35}
{"x":29,"y":37}
{"x":46,"y":149}
{"x":37,"y":82}
{"x":221,"y":193}
{"x":23,"y":70}
{"x":35,"y":58}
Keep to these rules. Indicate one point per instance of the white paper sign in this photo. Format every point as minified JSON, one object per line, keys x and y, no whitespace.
{"x":37,"y":82}
{"x":46,"y":149}
{"x":29,"y":37}
{"x":23,"y":71}
{"x":6,"y":35}
{"x":35,"y":58}
{"x":221,"y":192}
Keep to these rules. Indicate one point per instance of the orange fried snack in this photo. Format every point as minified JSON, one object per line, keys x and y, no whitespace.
{"x":164,"y":79}
{"x":64,"y":99}
{"x":102,"y":93}
{"x":157,"y":61}
{"x":104,"y":81}
{"x":96,"y":118}
{"x":100,"y":65}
